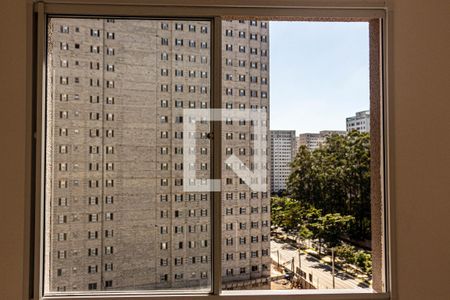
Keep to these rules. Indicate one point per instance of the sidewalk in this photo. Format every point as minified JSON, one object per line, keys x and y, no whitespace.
{"x":317,"y":269}
{"x":326,"y":259}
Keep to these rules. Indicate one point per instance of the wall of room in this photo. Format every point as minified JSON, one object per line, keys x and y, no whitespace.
{"x":420,"y":121}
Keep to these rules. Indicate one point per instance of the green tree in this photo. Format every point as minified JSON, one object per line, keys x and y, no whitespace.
{"x":308,"y":225}
{"x":286,"y":213}
{"x":332,"y":226}
{"x":336,"y":179}
{"x":328,"y":229}
{"x":295,"y":218}
{"x":302,"y":180}
{"x":346,"y":253}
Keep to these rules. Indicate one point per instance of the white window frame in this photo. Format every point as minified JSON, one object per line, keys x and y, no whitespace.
{"x":356,"y":9}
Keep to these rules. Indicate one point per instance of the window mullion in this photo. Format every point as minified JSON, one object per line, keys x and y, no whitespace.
{"x":216,"y":157}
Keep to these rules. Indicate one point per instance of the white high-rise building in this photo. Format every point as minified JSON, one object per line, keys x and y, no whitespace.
{"x":283,"y":149}
{"x":360,"y":122}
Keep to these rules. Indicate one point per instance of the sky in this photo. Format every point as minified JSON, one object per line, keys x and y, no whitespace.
{"x":319,"y":74}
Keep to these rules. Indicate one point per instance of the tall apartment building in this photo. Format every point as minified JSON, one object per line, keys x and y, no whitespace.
{"x":312,"y":141}
{"x":283,"y":146}
{"x":116,"y":214}
{"x":360,"y":121}
{"x":246,"y":214}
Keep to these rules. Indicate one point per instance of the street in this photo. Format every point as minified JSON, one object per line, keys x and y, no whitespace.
{"x":320,"y":272}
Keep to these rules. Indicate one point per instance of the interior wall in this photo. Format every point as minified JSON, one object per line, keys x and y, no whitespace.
{"x":420,"y":120}
{"x":420,"y":145}
{"x":12,"y":146}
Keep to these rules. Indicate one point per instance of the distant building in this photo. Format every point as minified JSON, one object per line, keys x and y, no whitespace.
{"x":360,"y":122}
{"x":312,"y":141}
{"x":283,"y":150}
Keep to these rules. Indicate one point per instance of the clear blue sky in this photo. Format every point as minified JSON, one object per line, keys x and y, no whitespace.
{"x":319,"y":74}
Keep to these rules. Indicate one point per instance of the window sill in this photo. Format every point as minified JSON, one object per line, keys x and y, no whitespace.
{"x":342,"y":294}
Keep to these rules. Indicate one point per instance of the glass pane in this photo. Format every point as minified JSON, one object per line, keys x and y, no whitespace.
{"x":245,"y":186}
{"x":117,"y":216}
{"x":317,"y":204}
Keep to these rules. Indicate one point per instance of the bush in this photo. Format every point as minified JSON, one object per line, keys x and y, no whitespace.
{"x":346,"y":253}
{"x":363,"y":261}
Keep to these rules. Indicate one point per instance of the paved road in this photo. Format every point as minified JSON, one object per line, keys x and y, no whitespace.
{"x":321,"y":273}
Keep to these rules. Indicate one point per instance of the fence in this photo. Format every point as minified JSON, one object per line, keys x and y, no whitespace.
{"x":299,"y":278}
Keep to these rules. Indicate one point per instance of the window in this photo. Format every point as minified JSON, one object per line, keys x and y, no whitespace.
{"x":178,"y":57}
{"x":124,"y":140}
{"x":178,"y":26}
{"x":95,"y":32}
{"x":110,"y":51}
{"x":163,"y":278}
{"x":92,"y":269}
{"x":178,"y":42}
{"x":101,"y":185}
{"x":255,"y":71}
{"x":64,"y":29}
{"x":62,"y":254}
